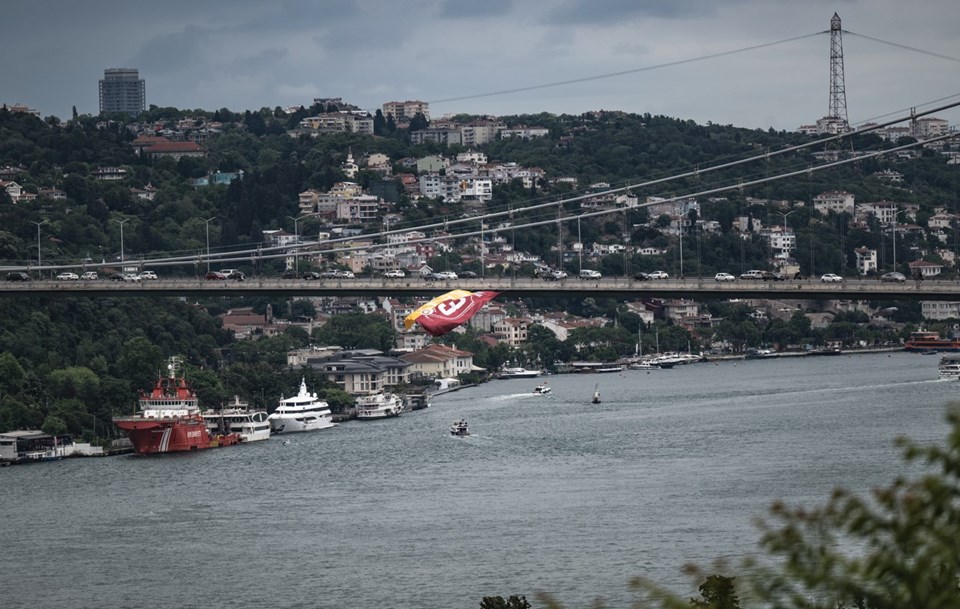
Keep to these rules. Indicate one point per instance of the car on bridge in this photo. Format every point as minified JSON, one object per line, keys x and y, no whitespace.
{"x":394,"y":274}
{"x":724,"y":277}
{"x":67,"y":276}
{"x":893,"y":276}
{"x":310,"y":275}
{"x":89,"y":276}
{"x":658,"y":275}
{"x":641,"y":276}
{"x":590,"y":274}
{"x":234,"y":274}
{"x":752,"y":274}
{"x":441,"y":276}
{"x":554,"y":275}
{"x":831,"y":278}
{"x":18,"y":276}
{"x":148,"y":276}
{"x":215,"y":276}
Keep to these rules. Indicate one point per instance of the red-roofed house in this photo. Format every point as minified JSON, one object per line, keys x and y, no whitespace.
{"x":439,"y":361}
{"x":925,"y":269}
{"x":175,"y":150}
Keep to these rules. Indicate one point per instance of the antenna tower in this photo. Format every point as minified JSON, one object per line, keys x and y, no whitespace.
{"x":838,"y":92}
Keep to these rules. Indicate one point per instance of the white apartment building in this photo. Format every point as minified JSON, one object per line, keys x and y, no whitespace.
{"x":526,"y":133}
{"x":472,"y":156}
{"x":512,"y":330}
{"x":452,"y":189}
{"x":480,"y":132}
{"x":884,"y":211}
{"x":929,"y":127}
{"x":363,"y":208}
{"x":834,"y":201}
{"x":339,"y":122}
{"x":783,"y":241}
{"x":866,"y":260}
{"x":938,"y":310}
{"x":404,"y":111}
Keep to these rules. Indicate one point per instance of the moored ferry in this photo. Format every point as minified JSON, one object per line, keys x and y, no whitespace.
{"x":169,"y":418}
{"x":378,"y":406}
{"x":239,"y":418}
{"x":930,"y":341}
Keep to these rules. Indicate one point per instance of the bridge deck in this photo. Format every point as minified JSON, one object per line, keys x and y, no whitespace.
{"x":618,"y":287}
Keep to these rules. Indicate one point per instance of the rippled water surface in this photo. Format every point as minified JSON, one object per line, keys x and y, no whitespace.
{"x":550,"y":493}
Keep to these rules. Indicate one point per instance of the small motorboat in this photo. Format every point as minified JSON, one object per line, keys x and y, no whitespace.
{"x":541,"y":389}
{"x":459,"y":429}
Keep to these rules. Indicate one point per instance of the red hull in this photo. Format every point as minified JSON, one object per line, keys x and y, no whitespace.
{"x":152,"y":436}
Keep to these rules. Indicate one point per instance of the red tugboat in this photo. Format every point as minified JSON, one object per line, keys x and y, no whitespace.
{"x":169,"y":419}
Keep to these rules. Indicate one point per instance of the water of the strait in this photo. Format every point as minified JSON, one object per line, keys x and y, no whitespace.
{"x":550,"y":493}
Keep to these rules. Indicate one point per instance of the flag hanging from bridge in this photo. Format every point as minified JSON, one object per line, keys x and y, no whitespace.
{"x":447,"y":311}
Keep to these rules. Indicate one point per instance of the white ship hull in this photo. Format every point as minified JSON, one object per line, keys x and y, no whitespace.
{"x":299,"y":423}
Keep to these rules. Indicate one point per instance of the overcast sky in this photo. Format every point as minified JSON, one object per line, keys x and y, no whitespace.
{"x":246,"y":54}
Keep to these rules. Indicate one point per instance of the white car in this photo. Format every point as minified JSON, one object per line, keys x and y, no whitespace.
{"x":131,"y":277}
{"x":724,"y":277}
{"x":395,"y":274}
{"x":831,"y":278}
{"x":590,"y":274}
{"x":658,"y":275}
{"x":89,"y":275}
{"x":67,"y":276}
{"x":145,"y":275}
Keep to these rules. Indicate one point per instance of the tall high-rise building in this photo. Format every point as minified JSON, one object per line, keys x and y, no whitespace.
{"x":122,"y":90}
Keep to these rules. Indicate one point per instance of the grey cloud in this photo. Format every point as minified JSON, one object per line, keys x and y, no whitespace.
{"x":173,"y":52}
{"x":267,"y":60}
{"x":459,"y":9}
{"x":590,"y":12}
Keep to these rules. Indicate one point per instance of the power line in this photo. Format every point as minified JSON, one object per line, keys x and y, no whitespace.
{"x":905,"y":47}
{"x":669,"y":64}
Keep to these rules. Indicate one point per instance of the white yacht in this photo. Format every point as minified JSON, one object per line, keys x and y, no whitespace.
{"x":541,"y":389}
{"x":518,"y":373}
{"x":238,"y":417}
{"x":302,"y":412}
{"x":378,"y":406}
{"x":950,"y":367}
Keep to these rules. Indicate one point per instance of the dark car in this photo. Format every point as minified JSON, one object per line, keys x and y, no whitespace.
{"x":215,"y":276}
{"x":641,"y":277}
{"x":311,"y":275}
{"x":290,"y":275}
{"x":117,"y":277}
{"x":18,"y":276}
{"x":467,"y":275}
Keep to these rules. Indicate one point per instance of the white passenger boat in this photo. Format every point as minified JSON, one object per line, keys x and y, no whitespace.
{"x":644,"y":365}
{"x":459,"y":429}
{"x":378,"y":406}
{"x":239,"y":418}
{"x":302,"y":412}
{"x":950,"y":367}
{"x":541,"y":389}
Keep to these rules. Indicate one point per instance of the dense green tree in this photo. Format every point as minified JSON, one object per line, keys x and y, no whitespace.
{"x":356,"y":331}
